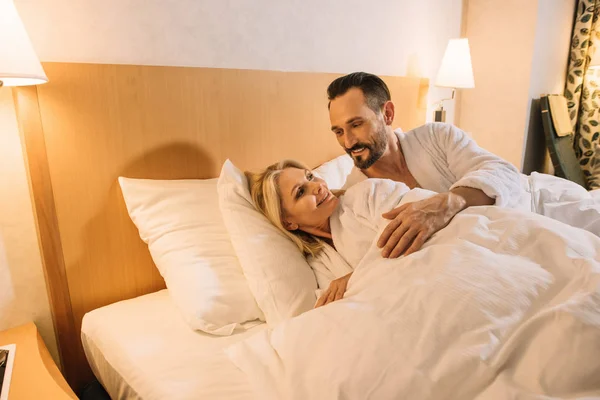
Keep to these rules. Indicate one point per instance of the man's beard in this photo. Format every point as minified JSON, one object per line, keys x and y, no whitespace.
{"x":376,"y":150}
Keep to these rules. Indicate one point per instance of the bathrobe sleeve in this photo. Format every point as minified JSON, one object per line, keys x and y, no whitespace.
{"x":475,"y":167}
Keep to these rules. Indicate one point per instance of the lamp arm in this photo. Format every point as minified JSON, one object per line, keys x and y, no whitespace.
{"x":440,"y":113}
{"x":440,"y":103}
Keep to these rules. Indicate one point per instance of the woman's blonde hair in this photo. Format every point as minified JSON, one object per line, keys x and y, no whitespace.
{"x":264,"y":188}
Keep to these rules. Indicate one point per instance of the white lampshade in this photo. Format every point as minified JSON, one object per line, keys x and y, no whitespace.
{"x":456,"y":71}
{"x":19,"y":65}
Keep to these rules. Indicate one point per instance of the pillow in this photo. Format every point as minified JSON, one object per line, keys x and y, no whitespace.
{"x":182,"y":225}
{"x":340,"y":172}
{"x":336,"y":171}
{"x":278,"y":275}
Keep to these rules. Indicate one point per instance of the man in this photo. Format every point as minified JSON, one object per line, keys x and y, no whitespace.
{"x":437,"y":156}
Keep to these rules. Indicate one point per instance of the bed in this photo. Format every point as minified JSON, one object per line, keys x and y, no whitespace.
{"x":108,"y":145}
{"x":142,"y":349}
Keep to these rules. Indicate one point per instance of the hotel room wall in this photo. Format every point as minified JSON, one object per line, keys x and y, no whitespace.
{"x":23,"y":295}
{"x":548,"y":75}
{"x":392,"y":37}
{"x":494,"y":112}
{"x":519,"y":51}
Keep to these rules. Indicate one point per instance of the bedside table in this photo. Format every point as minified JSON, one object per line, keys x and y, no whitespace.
{"x":34,"y":376}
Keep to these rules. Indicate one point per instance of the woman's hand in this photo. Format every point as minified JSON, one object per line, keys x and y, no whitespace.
{"x":335,"y":291}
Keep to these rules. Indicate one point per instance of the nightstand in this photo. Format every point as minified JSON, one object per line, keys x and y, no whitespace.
{"x":34,"y":376}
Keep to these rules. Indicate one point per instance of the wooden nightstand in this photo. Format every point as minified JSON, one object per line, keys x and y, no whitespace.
{"x":35,"y":376}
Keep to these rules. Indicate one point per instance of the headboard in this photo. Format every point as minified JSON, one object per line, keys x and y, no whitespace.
{"x":92,"y":123}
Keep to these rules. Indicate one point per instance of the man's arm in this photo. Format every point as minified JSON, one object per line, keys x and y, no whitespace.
{"x":471,"y":197}
{"x":482,"y":179}
{"x":477,"y":168}
{"x":413,"y":223}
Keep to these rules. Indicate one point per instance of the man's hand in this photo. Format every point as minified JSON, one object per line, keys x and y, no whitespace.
{"x":412,"y":224}
{"x":335,"y":291}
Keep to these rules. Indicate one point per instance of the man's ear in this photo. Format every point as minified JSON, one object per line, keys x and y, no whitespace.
{"x":290,"y":226}
{"x":388,"y":112}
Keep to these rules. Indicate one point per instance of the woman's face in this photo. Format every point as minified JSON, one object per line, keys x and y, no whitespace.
{"x":306,"y":200}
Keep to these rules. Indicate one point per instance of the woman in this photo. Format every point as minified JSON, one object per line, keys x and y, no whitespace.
{"x":301,"y":205}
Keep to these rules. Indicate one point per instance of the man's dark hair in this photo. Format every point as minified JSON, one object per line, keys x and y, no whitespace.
{"x":373,"y":87}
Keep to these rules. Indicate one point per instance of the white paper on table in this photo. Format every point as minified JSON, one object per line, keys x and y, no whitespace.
{"x":10,"y":362}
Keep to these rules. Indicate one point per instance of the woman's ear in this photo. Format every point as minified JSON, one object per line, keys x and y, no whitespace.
{"x":290,"y":226}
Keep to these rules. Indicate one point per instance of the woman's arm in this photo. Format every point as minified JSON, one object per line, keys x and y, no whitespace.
{"x":335,"y":291}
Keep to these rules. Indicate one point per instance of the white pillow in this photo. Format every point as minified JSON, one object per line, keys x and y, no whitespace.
{"x":277,"y":272}
{"x":336,"y":171}
{"x":340,"y":173}
{"x":181,"y":222}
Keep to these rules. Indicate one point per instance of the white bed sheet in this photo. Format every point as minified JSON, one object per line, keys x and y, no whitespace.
{"x":142,"y":349}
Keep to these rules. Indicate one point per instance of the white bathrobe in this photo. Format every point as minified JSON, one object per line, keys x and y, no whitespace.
{"x":442,"y":157}
{"x":357,"y":222}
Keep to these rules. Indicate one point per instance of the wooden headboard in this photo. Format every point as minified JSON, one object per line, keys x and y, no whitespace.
{"x":92,"y":123}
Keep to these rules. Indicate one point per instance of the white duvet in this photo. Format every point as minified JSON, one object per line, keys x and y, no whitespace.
{"x":498,"y":305}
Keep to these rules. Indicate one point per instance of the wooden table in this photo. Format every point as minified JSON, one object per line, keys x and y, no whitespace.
{"x":34,"y":376}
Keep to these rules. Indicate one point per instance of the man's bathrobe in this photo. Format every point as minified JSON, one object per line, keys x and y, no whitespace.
{"x":442,"y":157}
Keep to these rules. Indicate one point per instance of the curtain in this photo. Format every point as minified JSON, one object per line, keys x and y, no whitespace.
{"x":583,"y":89}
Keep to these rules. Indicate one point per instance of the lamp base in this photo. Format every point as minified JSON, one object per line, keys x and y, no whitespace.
{"x":439,"y":115}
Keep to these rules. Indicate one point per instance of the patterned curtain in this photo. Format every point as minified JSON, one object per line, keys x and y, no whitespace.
{"x":583,"y":89}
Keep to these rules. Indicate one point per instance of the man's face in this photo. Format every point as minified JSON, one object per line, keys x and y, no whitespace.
{"x":359,"y":130}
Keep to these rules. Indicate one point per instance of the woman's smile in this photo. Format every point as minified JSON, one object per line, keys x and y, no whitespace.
{"x":325,"y":197}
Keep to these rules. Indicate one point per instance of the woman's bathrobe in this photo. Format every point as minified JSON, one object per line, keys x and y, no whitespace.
{"x":357,"y":222}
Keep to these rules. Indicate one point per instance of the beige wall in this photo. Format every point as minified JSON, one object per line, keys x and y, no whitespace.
{"x":519,"y":51}
{"x":395,"y":37}
{"x":390,"y":37}
{"x":23,"y":295}
{"x":501,"y":36}
{"x":548,"y":74}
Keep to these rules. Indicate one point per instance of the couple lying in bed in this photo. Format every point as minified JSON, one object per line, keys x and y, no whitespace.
{"x":439,"y":157}
{"x":499,"y":304}
{"x":301,"y":205}
{"x":492,"y":304}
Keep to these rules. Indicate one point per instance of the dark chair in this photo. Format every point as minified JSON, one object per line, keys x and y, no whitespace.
{"x":562,"y":154}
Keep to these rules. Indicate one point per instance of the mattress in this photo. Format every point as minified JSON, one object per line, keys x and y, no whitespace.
{"x":142,"y":349}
